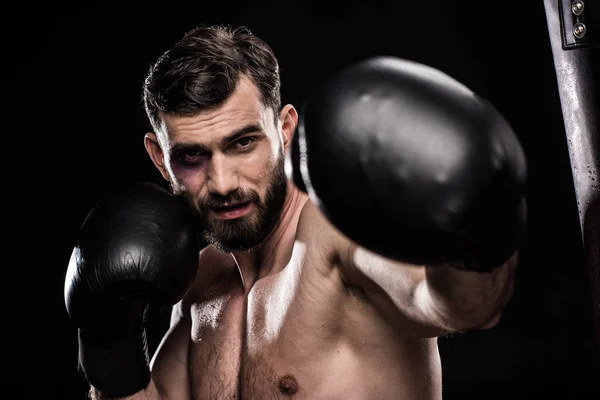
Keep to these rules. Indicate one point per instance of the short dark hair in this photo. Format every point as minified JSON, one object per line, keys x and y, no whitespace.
{"x":203,"y":68}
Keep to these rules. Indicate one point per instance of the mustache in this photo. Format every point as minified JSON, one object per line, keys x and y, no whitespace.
{"x":231,"y":199}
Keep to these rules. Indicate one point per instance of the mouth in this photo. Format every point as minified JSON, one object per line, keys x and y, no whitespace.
{"x":231,"y":211}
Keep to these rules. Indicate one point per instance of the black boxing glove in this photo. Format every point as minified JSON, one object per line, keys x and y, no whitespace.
{"x":411,"y":164}
{"x":135,"y":248}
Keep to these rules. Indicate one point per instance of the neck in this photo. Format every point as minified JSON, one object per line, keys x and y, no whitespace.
{"x":275,"y":252}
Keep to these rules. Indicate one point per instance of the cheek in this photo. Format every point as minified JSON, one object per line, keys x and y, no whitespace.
{"x":263,"y":166}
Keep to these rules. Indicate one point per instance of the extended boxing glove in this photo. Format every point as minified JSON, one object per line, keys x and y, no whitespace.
{"x":136,"y":247}
{"x":411,"y":164}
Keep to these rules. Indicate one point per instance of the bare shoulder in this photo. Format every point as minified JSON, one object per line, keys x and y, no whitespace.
{"x":320,"y":235}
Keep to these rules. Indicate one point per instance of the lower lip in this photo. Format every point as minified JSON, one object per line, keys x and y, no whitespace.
{"x":232,"y":213}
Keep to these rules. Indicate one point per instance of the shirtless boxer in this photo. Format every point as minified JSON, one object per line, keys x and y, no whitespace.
{"x":407,"y":227}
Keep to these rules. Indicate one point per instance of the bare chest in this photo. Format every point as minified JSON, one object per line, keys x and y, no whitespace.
{"x":298,"y":334}
{"x":264,"y":344}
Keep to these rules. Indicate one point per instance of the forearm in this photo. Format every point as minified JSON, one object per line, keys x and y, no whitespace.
{"x":149,"y":393}
{"x":463,"y":300}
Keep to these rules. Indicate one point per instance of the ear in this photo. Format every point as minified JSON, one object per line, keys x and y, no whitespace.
{"x":155,"y":152}
{"x":289,"y":120}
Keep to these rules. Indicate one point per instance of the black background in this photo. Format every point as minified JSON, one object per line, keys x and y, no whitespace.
{"x":72,"y":129}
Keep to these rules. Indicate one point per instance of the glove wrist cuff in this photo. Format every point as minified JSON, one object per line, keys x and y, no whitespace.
{"x":117,"y":368}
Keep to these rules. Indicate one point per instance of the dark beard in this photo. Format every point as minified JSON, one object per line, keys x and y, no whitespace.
{"x":249,"y":231}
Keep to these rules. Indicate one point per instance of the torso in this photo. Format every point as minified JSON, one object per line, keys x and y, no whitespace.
{"x":301,"y":333}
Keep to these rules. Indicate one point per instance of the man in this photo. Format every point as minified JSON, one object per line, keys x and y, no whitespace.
{"x":335,"y":291}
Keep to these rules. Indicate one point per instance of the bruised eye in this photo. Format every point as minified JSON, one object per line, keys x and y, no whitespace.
{"x":191,"y":157}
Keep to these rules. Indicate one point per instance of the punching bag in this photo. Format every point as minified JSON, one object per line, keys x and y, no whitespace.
{"x":574,"y":29}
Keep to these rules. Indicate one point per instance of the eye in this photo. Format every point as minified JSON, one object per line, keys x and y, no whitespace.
{"x":244,"y":142}
{"x":191,"y":157}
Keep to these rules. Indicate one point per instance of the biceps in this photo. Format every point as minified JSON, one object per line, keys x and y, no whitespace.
{"x":170,"y":362}
{"x":397,"y":290}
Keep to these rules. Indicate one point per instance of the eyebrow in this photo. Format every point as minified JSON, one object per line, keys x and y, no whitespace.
{"x":251,"y":128}
{"x":179,"y":148}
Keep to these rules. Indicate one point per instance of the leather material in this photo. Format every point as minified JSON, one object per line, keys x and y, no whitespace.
{"x":135,"y":248}
{"x":577,"y":66}
{"x":411,"y":164}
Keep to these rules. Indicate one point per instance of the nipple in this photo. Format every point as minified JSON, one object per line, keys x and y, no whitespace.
{"x":288,"y":385}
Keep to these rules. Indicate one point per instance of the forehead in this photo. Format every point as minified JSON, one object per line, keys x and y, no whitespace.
{"x":242,"y":108}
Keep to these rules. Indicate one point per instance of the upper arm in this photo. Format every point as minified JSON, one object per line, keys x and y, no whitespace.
{"x":434,"y":299}
{"x":398,"y":290}
{"x":424,"y":301}
{"x":170,"y":362}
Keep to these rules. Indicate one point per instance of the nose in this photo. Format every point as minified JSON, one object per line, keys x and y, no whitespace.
{"x":222,"y":177}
